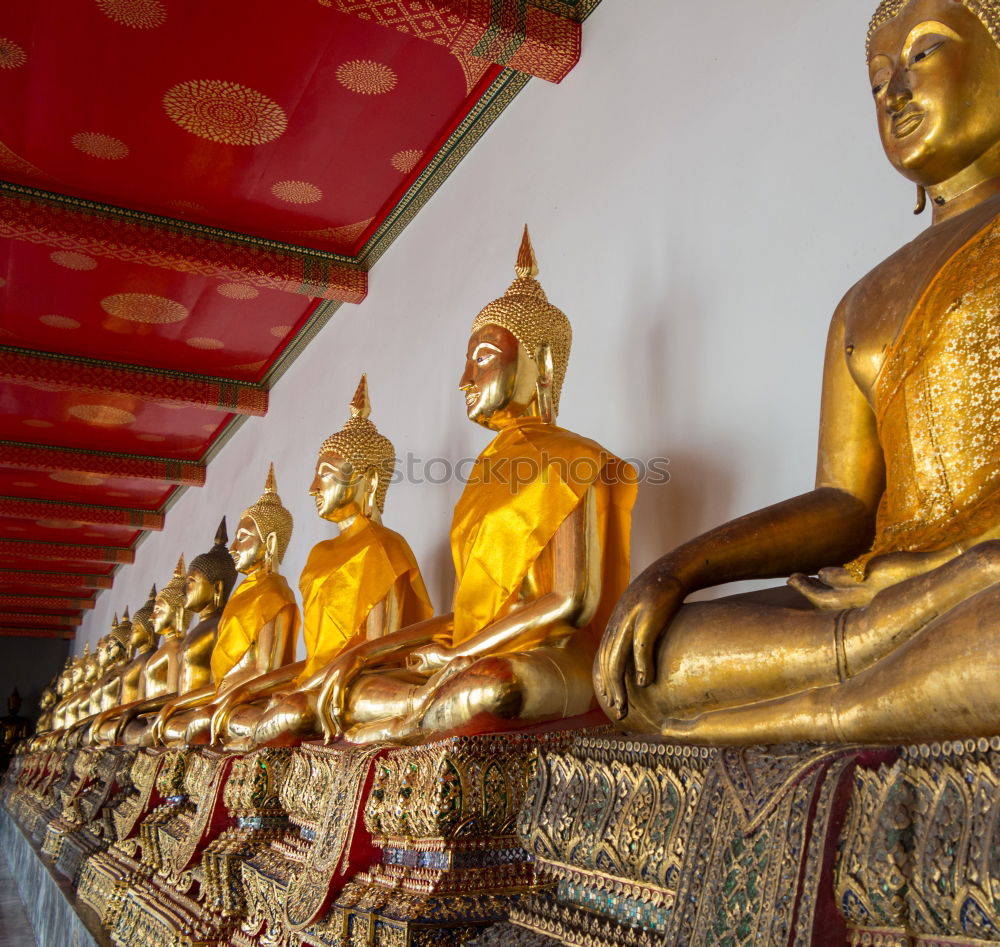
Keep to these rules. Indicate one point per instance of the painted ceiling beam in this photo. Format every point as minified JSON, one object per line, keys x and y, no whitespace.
{"x":68,"y":552}
{"x":30,"y":620}
{"x":50,"y":602}
{"x":55,"y":459}
{"x":54,"y":580}
{"x":36,"y":633}
{"x":538,"y":37}
{"x":68,"y":223}
{"x":68,"y":373}
{"x":23,"y":509}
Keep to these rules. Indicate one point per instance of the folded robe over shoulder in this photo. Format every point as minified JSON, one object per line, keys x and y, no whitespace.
{"x":523,"y":486}
{"x":345,"y":577}
{"x":255,"y":602}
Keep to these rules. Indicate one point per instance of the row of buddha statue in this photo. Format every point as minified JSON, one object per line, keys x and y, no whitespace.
{"x":893,"y":646}
{"x":539,"y":567}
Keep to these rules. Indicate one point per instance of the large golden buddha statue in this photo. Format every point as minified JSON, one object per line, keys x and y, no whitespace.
{"x":209,"y":581}
{"x":540,"y":544}
{"x":896,"y":646}
{"x":258,"y":627}
{"x":359,"y":586}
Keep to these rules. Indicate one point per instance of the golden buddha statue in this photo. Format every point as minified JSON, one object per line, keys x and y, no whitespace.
{"x":160,"y":671}
{"x":210,"y":578}
{"x":47,"y":703}
{"x":111,"y":651}
{"x":359,"y":586}
{"x":258,"y":627}
{"x":540,"y":544}
{"x":89,"y":668}
{"x":131,"y":686}
{"x":895,"y":646}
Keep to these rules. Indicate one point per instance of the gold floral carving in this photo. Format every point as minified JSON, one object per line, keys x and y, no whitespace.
{"x":72,"y":260}
{"x":406,"y":161}
{"x":78,"y":477}
{"x":205,"y":342}
{"x":59,"y":322}
{"x":237,"y":291}
{"x":144,"y":307}
{"x":366,"y":77}
{"x":296,"y":192}
{"x":103,"y":415}
{"x":225,"y":111}
{"x":12,"y":56}
{"x":137,"y":14}
{"x":347,"y":233}
{"x":99,"y":145}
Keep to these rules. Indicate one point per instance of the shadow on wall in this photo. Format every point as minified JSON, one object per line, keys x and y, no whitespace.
{"x":29,"y":664}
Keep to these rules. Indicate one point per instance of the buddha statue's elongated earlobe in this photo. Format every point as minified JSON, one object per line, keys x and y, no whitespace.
{"x":543,"y":387}
{"x":921,"y":200}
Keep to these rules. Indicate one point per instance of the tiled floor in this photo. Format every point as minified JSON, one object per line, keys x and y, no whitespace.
{"x":15,"y":931}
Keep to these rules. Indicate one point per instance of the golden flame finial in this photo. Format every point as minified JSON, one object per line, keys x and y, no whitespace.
{"x":361,"y":407}
{"x":180,"y":570}
{"x":527,"y":263}
{"x":114,"y":621}
{"x":125,"y":615}
{"x":222,"y":534}
{"x":271,"y":484}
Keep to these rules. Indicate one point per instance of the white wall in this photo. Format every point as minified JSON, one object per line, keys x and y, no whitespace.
{"x":701,"y":190}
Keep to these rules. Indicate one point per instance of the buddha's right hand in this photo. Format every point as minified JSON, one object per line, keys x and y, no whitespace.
{"x":331,"y":703}
{"x":639,"y":620}
{"x":223,"y":711}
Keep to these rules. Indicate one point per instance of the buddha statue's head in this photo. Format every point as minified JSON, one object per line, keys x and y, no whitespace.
{"x":48,"y":699}
{"x":211,"y":576}
{"x":92,"y":663}
{"x":170,"y":617}
{"x":263,"y":532}
{"x":143,"y":633}
{"x":935,"y":74}
{"x":354,"y":466}
{"x":518,"y":352}
{"x":76,"y":671}
{"x":117,"y":642}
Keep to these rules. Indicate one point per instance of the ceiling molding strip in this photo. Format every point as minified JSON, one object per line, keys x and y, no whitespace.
{"x":50,"y":602}
{"x":55,"y":580}
{"x":36,"y":633}
{"x":69,"y":552}
{"x":29,"y":619}
{"x":537,"y":37}
{"x":70,"y":373}
{"x":22,"y":509}
{"x":69,"y":223}
{"x":134,"y":467}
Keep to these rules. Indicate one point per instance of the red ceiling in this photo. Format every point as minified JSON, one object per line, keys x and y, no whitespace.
{"x":322,"y":117}
{"x":183,"y":184}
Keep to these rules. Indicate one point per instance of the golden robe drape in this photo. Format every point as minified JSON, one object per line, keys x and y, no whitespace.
{"x":345,"y":577}
{"x":522,"y":488}
{"x":937,"y":406}
{"x":254,"y":602}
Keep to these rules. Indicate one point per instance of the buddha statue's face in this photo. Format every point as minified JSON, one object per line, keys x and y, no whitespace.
{"x":935,"y":75}
{"x":247,"y":547}
{"x":201,"y":592}
{"x":337,"y":487}
{"x":140,"y":635}
{"x":499,"y":378}
{"x":102,"y":652}
{"x":164,"y":616}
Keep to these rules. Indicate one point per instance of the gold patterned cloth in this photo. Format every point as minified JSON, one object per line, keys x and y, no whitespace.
{"x":255,"y":602}
{"x":345,"y":577}
{"x":522,"y":488}
{"x":937,"y":406}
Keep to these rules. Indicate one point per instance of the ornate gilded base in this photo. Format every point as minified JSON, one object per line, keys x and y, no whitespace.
{"x":324,"y":845}
{"x":649,"y":843}
{"x":920,"y":861}
{"x":192,"y":891}
{"x":445,"y":816}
